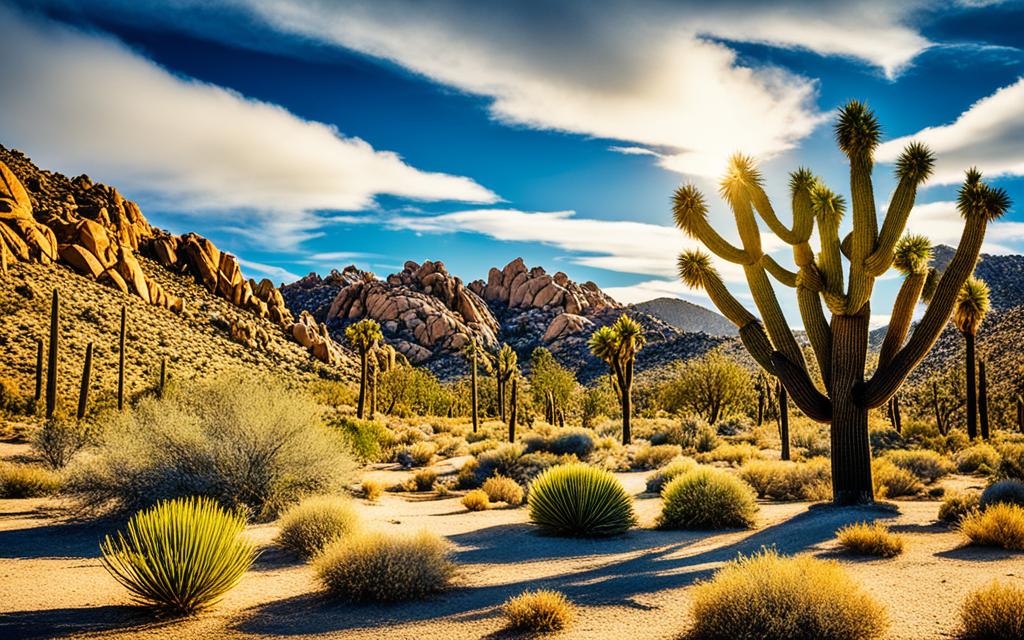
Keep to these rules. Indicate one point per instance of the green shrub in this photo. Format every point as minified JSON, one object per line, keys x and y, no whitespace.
{"x":926,"y":465}
{"x":811,"y":439}
{"x":11,"y":398}
{"x":377,"y":567}
{"x":734,"y":454}
{"x":540,"y":610}
{"x":1011,"y":463}
{"x":892,"y":481}
{"x":59,"y":440}
{"x":979,"y":458}
{"x":450,"y":446}
{"x":655,"y":456}
{"x":502,"y":489}
{"x":500,"y":460}
{"x":707,"y":499}
{"x":479,"y":447}
{"x":179,"y":556}
{"x":572,"y":441}
{"x":467,"y":474}
{"x":244,"y":442}
{"x":476,"y":500}
{"x":420,"y":454}
{"x":995,"y":612}
{"x":1000,"y":525}
{"x":957,"y":505}
{"x":733,"y":426}
{"x":27,"y":481}
{"x":579,"y":500}
{"x":870,"y":540}
{"x":677,"y":467}
{"x":692,"y":434}
{"x":786,"y":480}
{"x":769,"y":597}
{"x":306,"y":528}
{"x":1008,"y":491}
{"x":368,"y":438}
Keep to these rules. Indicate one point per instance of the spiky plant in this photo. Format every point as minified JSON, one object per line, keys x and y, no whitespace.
{"x":179,"y":556}
{"x":972,"y":303}
{"x":580,"y":501}
{"x":505,"y":364}
{"x":617,"y":345}
{"x":839,"y":343}
{"x":363,"y":336}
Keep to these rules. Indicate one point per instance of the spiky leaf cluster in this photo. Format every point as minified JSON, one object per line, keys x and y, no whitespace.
{"x":580,"y":501}
{"x":857,"y":130}
{"x":364,"y":334}
{"x":826,"y":204}
{"x":915,"y":163}
{"x":977,"y":198}
{"x":913,"y":253}
{"x":741,"y":174}
{"x":802,"y":178}
{"x":689,"y":208}
{"x":694,"y":268}
{"x":972,"y":303}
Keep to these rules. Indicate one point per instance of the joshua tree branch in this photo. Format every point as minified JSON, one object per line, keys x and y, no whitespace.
{"x":801,"y":389}
{"x":819,"y":333}
{"x":771,"y":313}
{"x":780,"y":273}
{"x":902,"y":315}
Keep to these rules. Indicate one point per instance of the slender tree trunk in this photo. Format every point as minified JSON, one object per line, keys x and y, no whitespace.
{"x":783,"y":421}
{"x":39,"y":371}
{"x":83,"y":391}
{"x":1020,"y":414}
{"x":625,"y":374}
{"x":120,"y":358}
{"x":982,"y":400}
{"x":476,"y":417}
{"x":362,"y":384}
{"x":501,"y":398}
{"x":851,"y":449}
{"x":760,"y":401}
{"x":897,"y":414}
{"x":513,"y":411}
{"x":939,"y":422}
{"x":972,"y":390}
{"x":373,"y":394}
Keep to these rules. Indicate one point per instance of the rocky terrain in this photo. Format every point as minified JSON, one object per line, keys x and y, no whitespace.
{"x":687,"y":316}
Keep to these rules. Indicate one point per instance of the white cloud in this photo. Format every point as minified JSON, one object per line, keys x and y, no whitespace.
{"x":275,"y":273}
{"x":942,"y":224}
{"x":79,"y":101}
{"x":989,"y":135}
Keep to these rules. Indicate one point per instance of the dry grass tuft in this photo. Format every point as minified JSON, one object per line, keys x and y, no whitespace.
{"x":540,"y":610}
{"x":502,"y":489}
{"x":1000,"y":525}
{"x":311,"y":525}
{"x":873,"y":539}
{"x":371,"y":489}
{"x":707,"y":499}
{"x":476,"y":500}
{"x":784,"y":480}
{"x":995,"y":612}
{"x":27,"y":481}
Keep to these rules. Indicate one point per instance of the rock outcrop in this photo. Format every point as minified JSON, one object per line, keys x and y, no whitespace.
{"x":517,"y":287}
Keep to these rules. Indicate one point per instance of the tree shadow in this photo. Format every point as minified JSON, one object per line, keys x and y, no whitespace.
{"x":60,"y":623}
{"x":649,"y":561}
{"x":273,"y":558}
{"x":979,"y":554}
{"x":57,"y":540}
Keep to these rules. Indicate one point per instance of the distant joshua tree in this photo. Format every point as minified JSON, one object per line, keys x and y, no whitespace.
{"x":506,"y":364}
{"x":839,"y":344}
{"x":617,"y":345}
{"x":363,"y":336}
{"x":971,"y":306}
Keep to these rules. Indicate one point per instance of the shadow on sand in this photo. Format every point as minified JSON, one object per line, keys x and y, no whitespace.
{"x":60,"y":623}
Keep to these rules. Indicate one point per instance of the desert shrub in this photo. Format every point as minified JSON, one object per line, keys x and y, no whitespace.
{"x":1008,"y":491}
{"x":873,"y":539}
{"x":885,"y":439}
{"x":733,"y":426}
{"x":531,"y":465}
{"x":957,"y":505}
{"x":734,"y":454}
{"x":579,"y":500}
{"x":334,"y":393}
{"x":995,"y":612}
{"x":59,"y":440}
{"x":769,"y":597}
{"x":450,"y":446}
{"x":418,"y":454}
{"x":785,"y":480}
{"x":677,"y":467}
{"x":424,"y":479}
{"x":480,"y":446}
{"x":179,"y":556}
{"x":540,"y":610}
{"x":654,"y":456}
{"x":707,"y":499}
{"x":981,"y":458}
{"x":309,"y":526}
{"x":891,"y":481}
{"x":476,"y":500}
{"x":240,"y":441}
{"x":1000,"y":525}
{"x":499,"y":460}
{"x":377,"y":567}
{"x":1011,"y":463}
{"x":572,"y":441}
{"x":502,"y":489}
{"x":371,"y":489}
{"x":926,"y":465}
{"x":810,"y":438}
{"x":692,"y":434}
{"x":11,"y":398}
{"x":368,"y":438}
{"x":27,"y":481}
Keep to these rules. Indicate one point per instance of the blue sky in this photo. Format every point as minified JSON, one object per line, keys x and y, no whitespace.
{"x":309,"y":135}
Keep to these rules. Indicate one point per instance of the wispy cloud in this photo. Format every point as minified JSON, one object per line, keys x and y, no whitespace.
{"x":989,"y":135}
{"x":941,"y":222}
{"x":81,"y":101}
{"x":276,"y":273}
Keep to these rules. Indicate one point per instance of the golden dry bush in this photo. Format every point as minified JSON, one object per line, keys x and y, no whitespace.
{"x":872,"y":539}
{"x":371,"y":489}
{"x":995,"y":612}
{"x":540,"y":610}
{"x":311,"y":525}
{"x":476,"y":500}
{"x":1000,"y":525}
{"x":502,"y":489}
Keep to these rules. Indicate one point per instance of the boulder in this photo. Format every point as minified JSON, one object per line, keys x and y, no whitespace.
{"x":81,"y":260}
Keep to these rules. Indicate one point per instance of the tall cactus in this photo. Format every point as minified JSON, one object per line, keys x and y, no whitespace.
{"x":120,"y":358}
{"x":783,"y":421}
{"x":83,"y":391}
{"x":971,"y":306}
{"x":51,"y":364}
{"x":982,"y":400}
{"x":839,"y":344}
{"x":39,"y":372}
{"x":513,"y":410}
{"x":363,"y":336}
{"x":617,"y":345}
{"x":506,"y":364}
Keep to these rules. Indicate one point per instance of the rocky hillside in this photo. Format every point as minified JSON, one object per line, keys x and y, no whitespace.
{"x":687,"y":316}
{"x":429,"y":315}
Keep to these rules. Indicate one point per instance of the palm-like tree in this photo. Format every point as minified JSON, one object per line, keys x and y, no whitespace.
{"x":617,"y":345}
{"x":363,"y":336}
{"x":476,"y":355}
{"x":971,"y":306}
{"x":505,"y":365}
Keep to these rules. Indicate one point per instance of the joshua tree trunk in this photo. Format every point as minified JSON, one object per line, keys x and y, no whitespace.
{"x":51,"y":365}
{"x":851,"y":450}
{"x":363,"y":364}
{"x":513,"y":411}
{"x":939,"y":422}
{"x":501,"y":397}
{"x":120,"y":358}
{"x":761,"y":384}
{"x":373,"y":393}
{"x":624,"y":373}
{"x":982,"y":400}
{"x":783,"y":421}
{"x":972,"y":391}
{"x":83,"y":392}
{"x":473,"y":400}
{"x":896,"y":413}
{"x":39,"y":371}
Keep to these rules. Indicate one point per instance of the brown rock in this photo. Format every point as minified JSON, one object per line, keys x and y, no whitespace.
{"x":14,"y":200}
{"x":81,"y":260}
{"x":131,"y":271}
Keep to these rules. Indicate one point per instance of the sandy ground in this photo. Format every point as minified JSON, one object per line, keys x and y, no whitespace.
{"x":53,"y":585}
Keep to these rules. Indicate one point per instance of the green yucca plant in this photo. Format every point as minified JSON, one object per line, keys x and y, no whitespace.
{"x":179,"y":556}
{"x":972,"y":303}
{"x":579,"y":500}
{"x":364,"y":336}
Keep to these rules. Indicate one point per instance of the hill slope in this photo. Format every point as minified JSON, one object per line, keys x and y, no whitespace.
{"x":686,"y":316}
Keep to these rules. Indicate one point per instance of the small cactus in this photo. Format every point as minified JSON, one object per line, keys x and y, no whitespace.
{"x":83,"y":392}
{"x":51,"y":368}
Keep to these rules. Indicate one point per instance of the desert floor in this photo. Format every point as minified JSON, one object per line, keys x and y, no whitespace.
{"x":53,"y":585}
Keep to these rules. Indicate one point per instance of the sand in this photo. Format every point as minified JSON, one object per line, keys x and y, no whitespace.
{"x":52,"y":583}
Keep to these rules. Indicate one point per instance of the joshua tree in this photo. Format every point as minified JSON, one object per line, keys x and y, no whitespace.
{"x":506,"y":363}
{"x":83,"y":390}
{"x":839,"y":345}
{"x":618,"y":345}
{"x":783,"y":420}
{"x":51,"y":363}
{"x":982,"y":400}
{"x":513,"y":410}
{"x":971,"y":307}
{"x":363,"y":336}
{"x":476,"y":356}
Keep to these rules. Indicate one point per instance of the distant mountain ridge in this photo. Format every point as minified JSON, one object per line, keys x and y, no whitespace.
{"x":686,"y":316}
